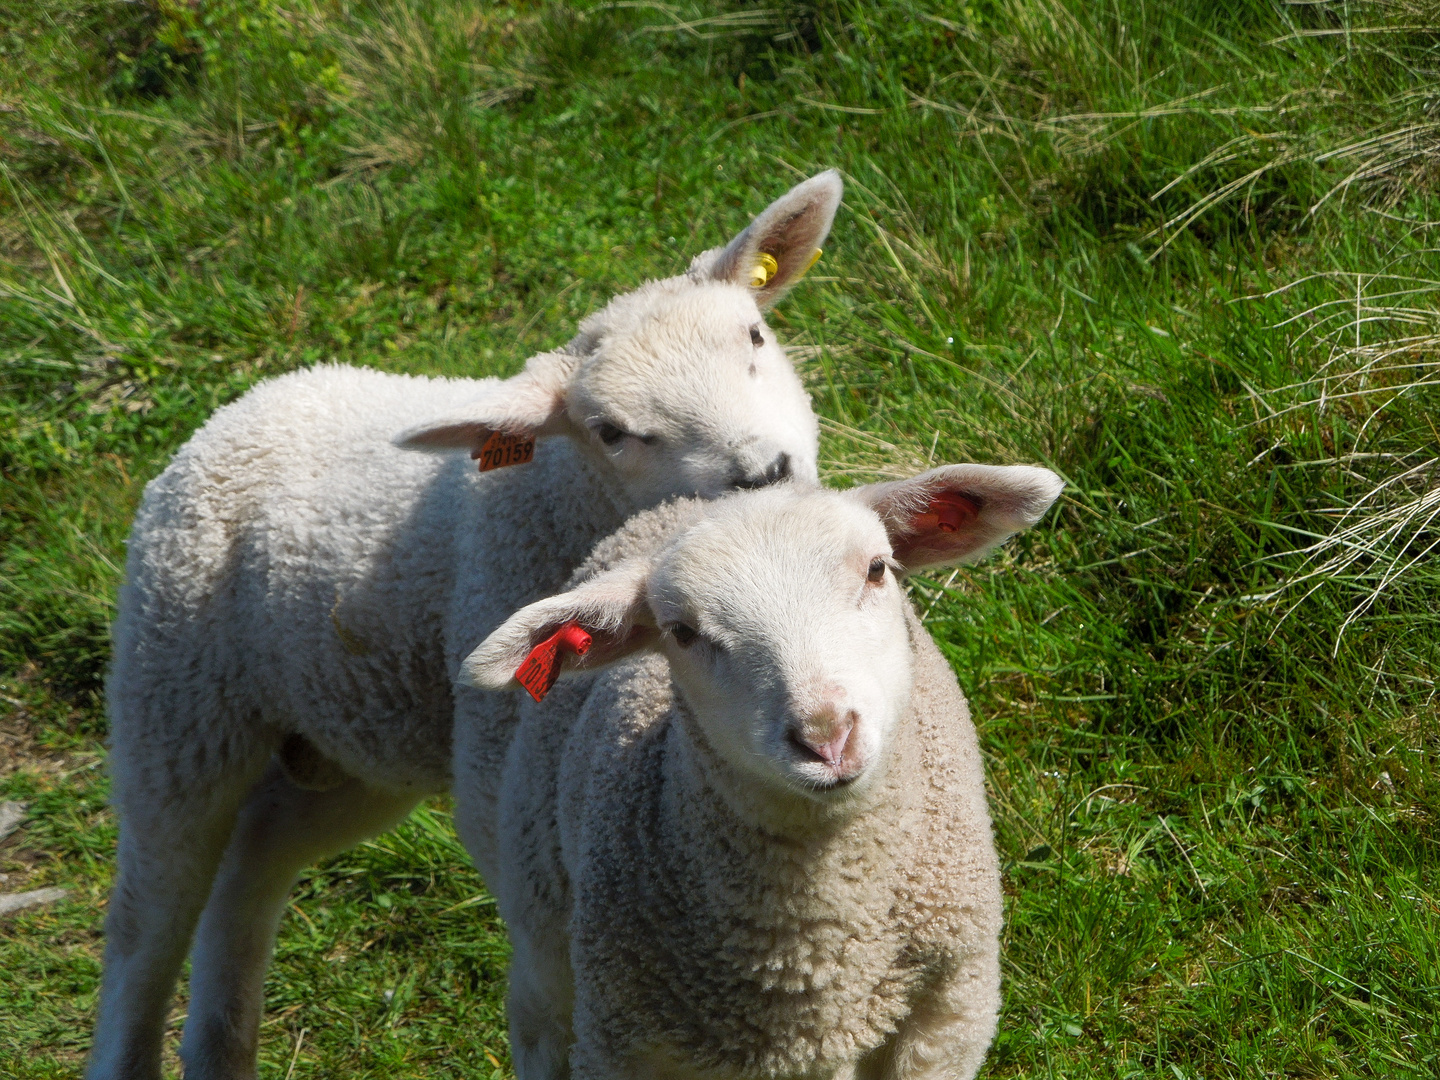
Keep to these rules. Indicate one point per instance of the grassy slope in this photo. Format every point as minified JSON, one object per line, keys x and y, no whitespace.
{"x":1218,"y":825}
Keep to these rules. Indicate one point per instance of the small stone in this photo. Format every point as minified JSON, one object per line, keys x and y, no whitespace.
{"x":18,"y":901}
{"x":11,"y":815}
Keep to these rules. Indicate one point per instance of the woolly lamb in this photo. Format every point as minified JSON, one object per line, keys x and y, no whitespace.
{"x":301,"y":591}
{"x":781,"y":867}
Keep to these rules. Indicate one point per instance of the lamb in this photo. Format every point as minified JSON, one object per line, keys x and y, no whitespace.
{"x":759,"y":847}
{"x":301,"y":591}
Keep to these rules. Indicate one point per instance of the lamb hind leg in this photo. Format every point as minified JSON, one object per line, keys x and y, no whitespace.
{"x":281,"y":830}
{"x":170,"y":845}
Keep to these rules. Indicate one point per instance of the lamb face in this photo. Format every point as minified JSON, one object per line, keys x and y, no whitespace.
{"x":678,"y":388}
{"x":688,"y":391}
{"x":784,"y":624}
{"x":782,"y":617}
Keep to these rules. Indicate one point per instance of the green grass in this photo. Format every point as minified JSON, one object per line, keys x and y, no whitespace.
{"x":1215,"y":791}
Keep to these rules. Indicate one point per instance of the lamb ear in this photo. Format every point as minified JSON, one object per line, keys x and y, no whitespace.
{"x":528,"y":405}
{"x":790,"y":231}
{"x":959,"y":512}
{"x":610,"y":608}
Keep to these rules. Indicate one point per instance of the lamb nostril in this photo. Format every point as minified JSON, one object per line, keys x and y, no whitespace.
{"x":779,"y":469}
{"x":804,"y":748}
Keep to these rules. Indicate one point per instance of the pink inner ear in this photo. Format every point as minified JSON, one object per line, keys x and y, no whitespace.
{"x":947,"y":512}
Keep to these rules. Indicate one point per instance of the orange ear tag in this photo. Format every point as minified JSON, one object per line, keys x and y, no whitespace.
{"x":542,"y":667}
{"x":953,"y":512}
{"x":502,"y":449}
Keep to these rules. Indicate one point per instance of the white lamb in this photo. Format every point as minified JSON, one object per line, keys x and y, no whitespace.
{"x":301,"y":591}
{"x":782,"y":867}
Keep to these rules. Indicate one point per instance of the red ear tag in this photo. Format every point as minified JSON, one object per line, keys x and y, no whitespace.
{"x":502,"y":449}
{"x":542,"y":667}
{"x":953,"y":512}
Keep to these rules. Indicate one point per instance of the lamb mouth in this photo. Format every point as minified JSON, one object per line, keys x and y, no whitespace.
{"x":823,"y":785}
{"x":835,"y":783}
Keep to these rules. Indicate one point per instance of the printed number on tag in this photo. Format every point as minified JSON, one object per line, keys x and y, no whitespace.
{"x":539,"y":672}
{"x":542,"y":667}
{"x":502,"y":449}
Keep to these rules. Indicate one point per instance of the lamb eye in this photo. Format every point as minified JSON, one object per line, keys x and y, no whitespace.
{"x":756,"y":338}
{"x":877,"y":571}
{"x":609,"y":433}
{"x":684,"y":635}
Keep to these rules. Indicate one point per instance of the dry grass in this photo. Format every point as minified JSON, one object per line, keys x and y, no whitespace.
{"x":1380,"y":339}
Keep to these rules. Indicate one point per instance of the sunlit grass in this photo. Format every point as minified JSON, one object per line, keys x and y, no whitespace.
{"x":1122,"y":240}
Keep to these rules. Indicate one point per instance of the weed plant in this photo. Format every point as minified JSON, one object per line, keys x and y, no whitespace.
{"x":1181,"y":253}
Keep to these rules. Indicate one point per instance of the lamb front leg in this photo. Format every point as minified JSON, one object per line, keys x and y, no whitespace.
{"x":540,"y":1005}
{"x":951,"y":1028}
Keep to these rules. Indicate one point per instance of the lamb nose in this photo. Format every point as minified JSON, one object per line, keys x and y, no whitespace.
{"x":777,"y":470}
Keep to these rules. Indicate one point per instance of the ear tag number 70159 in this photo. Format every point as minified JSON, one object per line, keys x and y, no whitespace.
{"x":502,"y":449}
{"x":542,"y":667}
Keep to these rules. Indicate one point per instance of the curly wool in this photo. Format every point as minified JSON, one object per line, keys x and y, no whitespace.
{"x":827,"y":943}
{"x":318,"y":580}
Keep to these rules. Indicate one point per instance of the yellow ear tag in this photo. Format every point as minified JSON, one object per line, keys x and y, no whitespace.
{"x":765,"y":268}
{"x":813,"y":260}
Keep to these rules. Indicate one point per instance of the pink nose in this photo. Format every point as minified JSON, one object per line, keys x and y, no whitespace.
{"x":826,"y":737}
{"x":829,"y":748}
